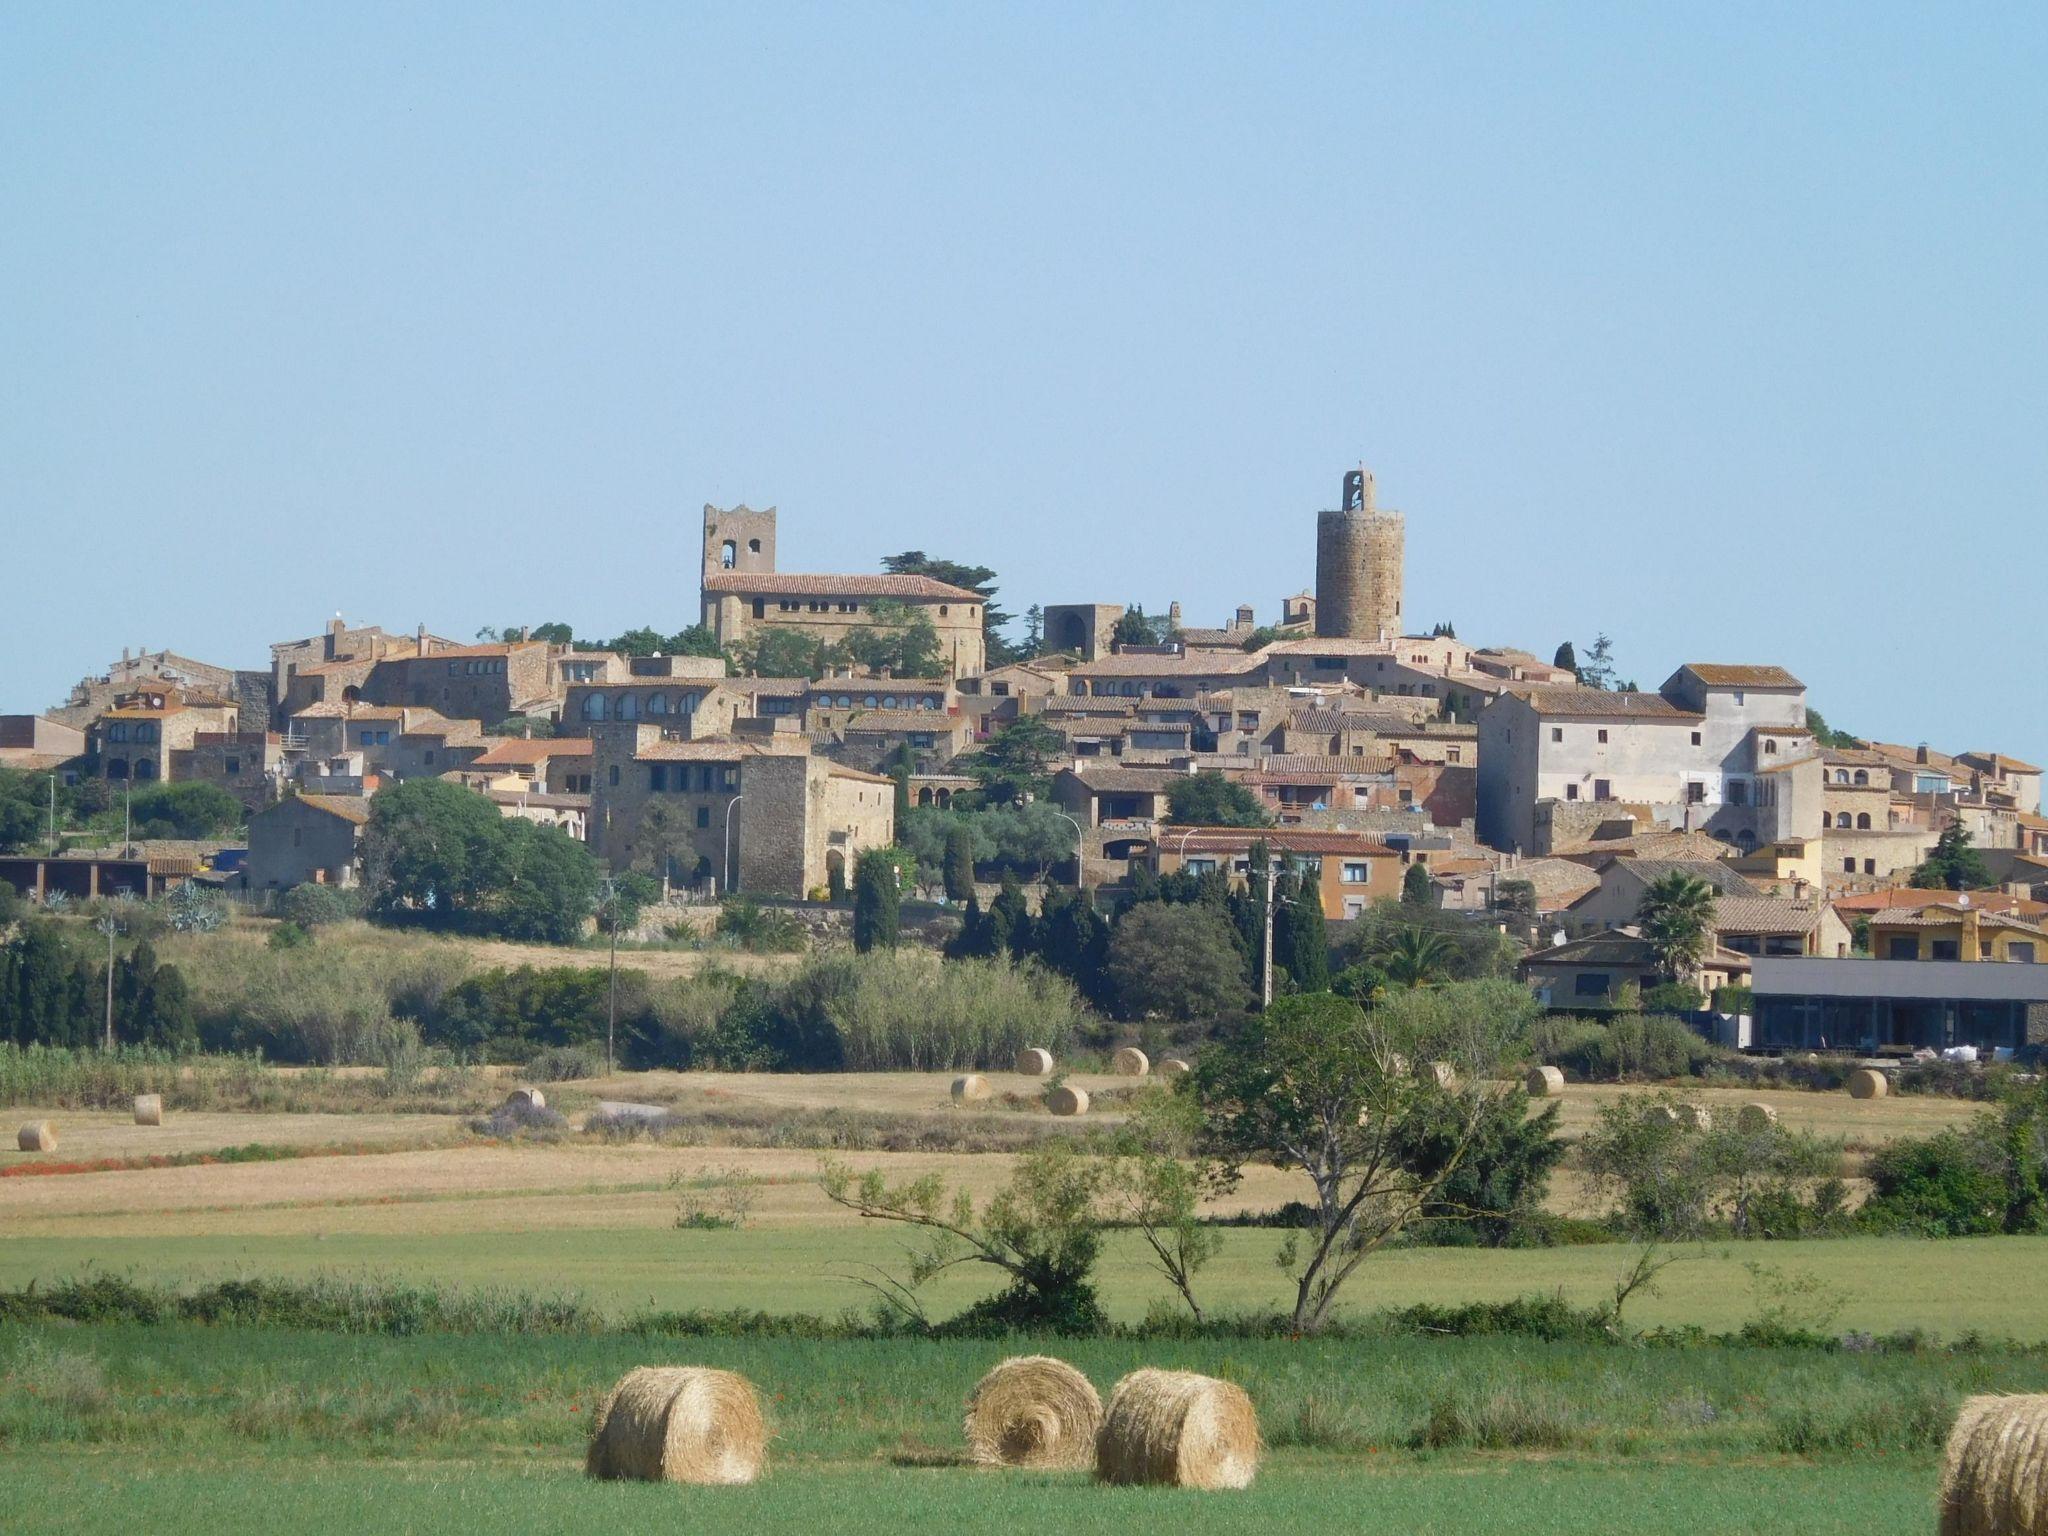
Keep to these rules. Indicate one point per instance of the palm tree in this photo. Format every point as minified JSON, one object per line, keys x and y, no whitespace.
{"x":1415,"y":957}
{"x":1677,"y":919}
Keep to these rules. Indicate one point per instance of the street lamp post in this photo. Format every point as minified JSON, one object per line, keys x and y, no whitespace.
{"x":1080,"y":850}
{"x":725,"y":861}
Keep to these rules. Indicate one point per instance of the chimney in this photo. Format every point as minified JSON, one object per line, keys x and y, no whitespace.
{"x":1920,"y":753}
{"x":421,"y":644}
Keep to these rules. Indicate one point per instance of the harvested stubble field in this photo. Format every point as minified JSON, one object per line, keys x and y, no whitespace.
{"x":225,"y":1430}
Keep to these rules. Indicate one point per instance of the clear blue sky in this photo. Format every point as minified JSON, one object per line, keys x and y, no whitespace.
{"x":1723,"y":328}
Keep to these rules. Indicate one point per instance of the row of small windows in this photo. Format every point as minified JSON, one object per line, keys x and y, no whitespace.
{"x":873,"y":701}
{"x":1842,"y":776}
{"x":682,"y":778}
{"x":478,"y":667}
{"x":145,"y":730}
{"x":628,"y":706}
{"x":144,"y":768}
{"x":1861,"y":824}
{"x":821,"y":605}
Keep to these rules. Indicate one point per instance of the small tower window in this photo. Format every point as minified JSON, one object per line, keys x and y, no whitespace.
{"x":729,"y":555}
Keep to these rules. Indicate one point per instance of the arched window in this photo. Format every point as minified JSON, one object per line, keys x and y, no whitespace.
{"x":1862,"y":776}
{"x":888,"y":701}
{"x":870,"y":702}
{"x":1745,"y":839}
{"x":145,"y":768}
{"x":1841,"y":775}
{"x":1770,"y":747}
{"x":942,"y":610}
{"x":1841,"y":818}
{"x":687,"y":704}
{"x":593,"y":706}
{"x":657,"y":703}
{"x":1863,"y":821}
{"x":117,"y":768}
{"x":729,"y":555}
{"x":629,"y":707}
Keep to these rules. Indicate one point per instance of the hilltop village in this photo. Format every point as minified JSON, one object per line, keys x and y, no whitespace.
{"x":807,"y":718}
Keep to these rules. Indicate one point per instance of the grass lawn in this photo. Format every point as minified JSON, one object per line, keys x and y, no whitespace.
{"x":1987,"y":1285}
{"x":56,"y":1495}
{"x":182,"y":1428}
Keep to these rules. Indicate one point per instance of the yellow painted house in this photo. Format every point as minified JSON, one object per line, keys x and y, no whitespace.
{"x":1939,"y":931}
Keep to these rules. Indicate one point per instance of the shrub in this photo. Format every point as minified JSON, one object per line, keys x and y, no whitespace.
{"x":565,"y":1063}
{"x":911,"y":1011}
{"x":1175,"y":961}
{"x":759,"y":930}
{"x":1947,"y":1185}
{"x":1631,"y":1048}
{"x":310,"y":906}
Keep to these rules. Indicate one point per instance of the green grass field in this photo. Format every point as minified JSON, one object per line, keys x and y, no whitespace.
{"x":1985,"y":1285}
{"x":183,"y":1428}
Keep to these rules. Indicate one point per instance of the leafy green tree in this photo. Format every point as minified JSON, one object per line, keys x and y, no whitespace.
{"x":1515,"y":898}
{"x":980,"y":580}
{"x":777,"y":652}
{"x":1175,"y":962}
{"x":46,"y":991}
{"x":1317,"y":1086}
{"x":1416,"y":890}
{"x":1034,"y":635}
{"x":433,"y":851}
{"x":1676,"y":916}
{"x":1207,"y":799}
{"x":1955,"y":864}
{"x":1071,"y":938}
{"x":1010,"y":920}
{"x":1362,"y":983}
{"x":549,"y":884}
{"x":1134,"y":628}
{"x":188,"y":809}
{"x":1566,"y":657}
{"x":1496,"y":1187}
{"x":22,"y":818}
{"x":1043,"y":1232}
{"x":895,"y":636}
{"x":959,"y":864}
{"x":1826,"y":736}
{"x":1030,"y":838}
{"x":1598,"y":669}
{"x":875,"y":900}
{"x":1466,"y":950}
{"x":1017,"y":760}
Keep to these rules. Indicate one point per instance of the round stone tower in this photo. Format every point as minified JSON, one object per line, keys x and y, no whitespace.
{"x":1359,"y":551}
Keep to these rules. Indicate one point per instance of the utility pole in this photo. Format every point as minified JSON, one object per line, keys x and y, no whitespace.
{"x":128,"y":821}
{"x":1266,"y":969}
{"x":53,"y":813}
{"x":611,"y":1026}
{"x":108,"y":925}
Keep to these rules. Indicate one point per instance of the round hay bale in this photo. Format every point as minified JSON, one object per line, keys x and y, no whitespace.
{"x":1544,"y":1082}
{"x":1067,"y":1100}
{"x":972,"y":1086}
{"x":1034,"y":1063}
{"x":1757,"y":1117}
{"x":1033,"y":1411}
{"x":149,"y":1109}
{"x":679,"y":1424}
{"x":1173,"y":1066}
{"x":1178,"y":1429}
{"x":527,"y":1098}
{"x":1994,"y":1474}
{"x":1868,"y":1083}
{"x":1130,"y":1062}
{"x":37,"y":1136}
{"x":1696,"y":1117}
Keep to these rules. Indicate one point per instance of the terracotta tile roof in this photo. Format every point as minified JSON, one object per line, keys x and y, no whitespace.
{"x":521,"y":752}
{"x":1936,"y":915}
{"x":1207,"y":664}
{"x":1126,"y":781}
{"x":1764,"y":914}
{"x":1335,"y":767}
{"x":875,"y":721}
{"x":790,"y":584}
{"x":459,"y":652}
{"x":355,"y":808}
{"x":1659,"y":844}
{"x":1279,"y":839}
{"x":1893,"y":898}
{"x":1995,"y":762}
{"x":1604,"y":704}
{"x":841,"y":771}
{"x":1332,"y":645}
{"x":786,"y":687}
{"x":1717,"y":675}
{"x":1711,"y":872}
{"x":696,"y":752}
{"x":1558,"y":882}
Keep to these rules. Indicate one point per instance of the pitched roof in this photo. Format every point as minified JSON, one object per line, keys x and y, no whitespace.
{"x":1711,"y":871}
{"x":1995,"y":762}
{"x":1207,"y":664}
{"x":1609,"y":948}
{"x":778,"y":686}
{"x":520,"y":751}
{"x":1604,"y":704}
{"x":791,"y":584}
{"x":890,"y":720}
{"x":1126,"y":781}
{"x":1764,"y":914}
{"x":697,"y":751}
{"x":1937,"y":915}
{"x":1329,"y":766}
{"x":355,"y":808}
{"x":1718,"y":675}
{"x":1279,"y":839}
{"x":1557,"y":882}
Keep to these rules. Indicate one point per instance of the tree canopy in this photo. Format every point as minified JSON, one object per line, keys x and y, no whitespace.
{"x":1208,"y":799}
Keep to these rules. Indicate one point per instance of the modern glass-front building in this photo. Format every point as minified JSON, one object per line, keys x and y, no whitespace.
{"x":1809,"y":1003}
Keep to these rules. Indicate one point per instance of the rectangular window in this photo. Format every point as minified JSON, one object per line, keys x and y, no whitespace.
{"x":1870,"y":866}
{"x":1557,"y":733}
{"x":1602,"y":789}
{"x":657,"y":778}
{"x":1571,"y":791}
{"x":1695,"y":793}
{"x":1590,"y":984}
{"x":1603,"y":738}
{"x":1848,"y":866}
{"x":1695,"y":738}
{"x":1357,"y":874}
{"x":2020,"y":950}
{"x":703,"y":815}
{"x":1945,"y":949}
{"x":234,"y":766}
{"x":1451,"y":755}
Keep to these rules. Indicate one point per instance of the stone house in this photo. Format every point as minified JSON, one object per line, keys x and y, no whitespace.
{"x":394,"y":741}
{"x":764,"y":812}
{"x":1592,"y":973}
{"x":250,"y":765}
{"x":691,"y":706}
{"x":551,"y":765}
{"x":1350,"y":870}
{"x":1170,"y":674}
{"x":1722,"y":749}
{"x":871,"y":737}
{"x":307,"y":840}
{"x":136,"y":739}
{"x":743,"y":593}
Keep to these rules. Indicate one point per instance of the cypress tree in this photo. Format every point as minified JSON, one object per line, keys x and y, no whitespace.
{"x":959,"y":866}
{"x":875,"y":902}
